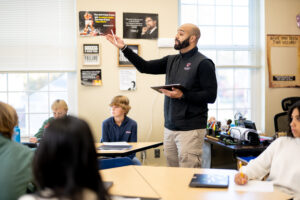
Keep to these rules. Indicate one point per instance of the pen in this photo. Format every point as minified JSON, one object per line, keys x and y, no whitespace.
{"x":240,"y":163}
{"x":113,"y":36}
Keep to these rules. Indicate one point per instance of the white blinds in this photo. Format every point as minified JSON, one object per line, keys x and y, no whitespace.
{"x":37,"y":35}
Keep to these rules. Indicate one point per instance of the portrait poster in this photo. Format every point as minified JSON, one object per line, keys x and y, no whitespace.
{"x":122,"y":60}
{"x":283,"y":57}
{"x":96,"y":23}
{"x":128,"y":79}
{"x":91,"y":77}
{"x":91,"y":54}
{"x":140,"y":25}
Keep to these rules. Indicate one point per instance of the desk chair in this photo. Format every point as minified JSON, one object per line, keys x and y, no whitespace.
{"x":114,"y":162}
{"x":281,"y":122}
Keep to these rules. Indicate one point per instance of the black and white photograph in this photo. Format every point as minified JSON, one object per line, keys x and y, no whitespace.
{"x":122,"y":60}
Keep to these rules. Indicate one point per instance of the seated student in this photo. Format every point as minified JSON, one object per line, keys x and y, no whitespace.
{"x":59,"y":108}
{"x":65,"y":164}
{"x":120,"y":127}
{"x":15,"y":158}
{"x":280,"y":159}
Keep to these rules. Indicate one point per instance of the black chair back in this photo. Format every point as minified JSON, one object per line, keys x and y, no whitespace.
{"x":281,"y":122}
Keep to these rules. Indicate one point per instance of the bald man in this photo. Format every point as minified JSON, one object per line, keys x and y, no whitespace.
{"x":185,"y":111}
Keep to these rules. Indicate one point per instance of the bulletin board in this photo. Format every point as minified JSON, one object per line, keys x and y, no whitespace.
{"x":283,"y":57}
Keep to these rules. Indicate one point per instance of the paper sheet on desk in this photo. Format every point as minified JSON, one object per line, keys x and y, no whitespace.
{"x":255,"y":186}
{"x":116,"y":143}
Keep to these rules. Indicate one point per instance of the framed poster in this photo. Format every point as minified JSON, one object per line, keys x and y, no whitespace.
{"x":283,"y":57}
{"x":122,"y":60}
{"x":91,"y":77}
{"x":140,"y":25}
{"x":91,"y":54}
{"x":96,"y":23}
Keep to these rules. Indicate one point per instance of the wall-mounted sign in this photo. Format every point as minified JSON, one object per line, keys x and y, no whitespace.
{"x":91,"y":54}
{"x":96,"y":23}
{"x":283,"y":56}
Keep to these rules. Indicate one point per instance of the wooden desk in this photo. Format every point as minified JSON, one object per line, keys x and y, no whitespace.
{"x":224,"y":156}
{"x":172,"y":183}
{"x":128,"y":182}
{"x":136,"y":147}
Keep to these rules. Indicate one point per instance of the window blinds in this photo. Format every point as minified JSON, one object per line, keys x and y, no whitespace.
{"x":37,"y":35}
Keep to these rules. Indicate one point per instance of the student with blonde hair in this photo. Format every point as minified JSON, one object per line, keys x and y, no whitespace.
{"x":15,"y":159}
{"x":60,"y":109}
{"x":120,"y":127}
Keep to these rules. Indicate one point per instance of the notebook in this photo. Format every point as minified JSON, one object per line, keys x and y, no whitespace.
{"x":115,"y":146}
{"x":210,"y":181}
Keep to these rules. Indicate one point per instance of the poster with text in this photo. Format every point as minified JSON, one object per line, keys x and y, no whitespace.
{"x":91,"y":54}
{"x":128,"y":79}
{"x":140,"y":25}
{"x":91,"y":77}
{"x":96,"y":23}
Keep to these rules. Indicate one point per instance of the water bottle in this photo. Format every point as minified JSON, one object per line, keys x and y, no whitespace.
{"x":17,"y":134}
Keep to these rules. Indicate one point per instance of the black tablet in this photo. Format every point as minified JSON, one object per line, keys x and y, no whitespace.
{"x":168,"y":87}
{"x":210,"y":181}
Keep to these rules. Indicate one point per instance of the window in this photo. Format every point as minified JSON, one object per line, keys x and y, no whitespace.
{"x":228,"y":38}
{"x":38,"y":38}
{"x":32,"y":94}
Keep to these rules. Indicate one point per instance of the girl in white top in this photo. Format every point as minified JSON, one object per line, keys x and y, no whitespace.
{"x":280,"y":160}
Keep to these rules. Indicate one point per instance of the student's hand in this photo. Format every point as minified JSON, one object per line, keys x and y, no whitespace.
{"x":33,"y":140}
{"x":120,"y":43}
{"x":241,"y":179}
{"x":175,"y":93}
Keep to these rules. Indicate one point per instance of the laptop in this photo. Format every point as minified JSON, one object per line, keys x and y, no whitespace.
{"x":210,"y":181}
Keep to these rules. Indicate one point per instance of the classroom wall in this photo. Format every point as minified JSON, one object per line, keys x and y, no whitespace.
{"x":147,"y":104}
{"x":280,"y":18}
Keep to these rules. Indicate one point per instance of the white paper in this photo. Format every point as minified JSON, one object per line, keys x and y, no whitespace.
{"x":116,"y":143}
{"x":124,"y":198}
{"x":128,"y":79}
{"x":255,"y":186}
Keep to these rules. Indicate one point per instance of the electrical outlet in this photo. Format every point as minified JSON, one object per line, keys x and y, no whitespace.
{"x":156,"y":153}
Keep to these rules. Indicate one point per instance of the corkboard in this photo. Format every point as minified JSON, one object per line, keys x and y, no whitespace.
{"x":283,"y":57}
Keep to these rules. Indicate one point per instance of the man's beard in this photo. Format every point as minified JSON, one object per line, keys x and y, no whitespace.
{"x":183,"y":44}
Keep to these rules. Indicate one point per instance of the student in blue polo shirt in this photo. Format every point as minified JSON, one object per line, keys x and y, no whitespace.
{"x":120,"y":127}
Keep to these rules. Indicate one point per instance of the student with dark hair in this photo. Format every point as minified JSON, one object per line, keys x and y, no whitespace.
{"x":279,"y":160}
{"x":65,"y":164}
{"x":15,"y":159}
